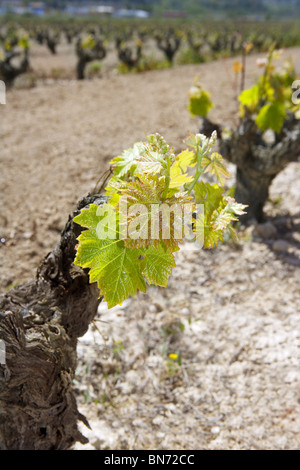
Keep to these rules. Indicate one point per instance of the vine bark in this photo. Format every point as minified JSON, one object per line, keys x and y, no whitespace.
{"x":258,"y":161}
{"x":40,"y":323}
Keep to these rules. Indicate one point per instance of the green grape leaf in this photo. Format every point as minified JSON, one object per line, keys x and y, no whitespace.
{"x":150,"y":162}
{"x":202,"y":144}
{"x":297,"y":113}
{"x":219,"y":212}
{"x":23,"y":42}
{"x":268,"y":87}
{"x":116,"y":268}
{"x":205,"y":233}
{"x":126,"y":162}
{"x":194,"y":140}
{"x":143,"y":196}
{"x":157,"y":265}
{"x":89,"y":42}
{"x":210,"y":195}
{"x":158,"y":144}
{"x":153,"y":156}
{"x":178,"y":174}
{"x":179,"y":180}
{"x":212,"y":237}
{"x":234,"y":207}
{"x":271,"y":116}
{"x":145,"y":190}
{"x":114,"y":189}
{"x":88,"y":217}
{"x":184,"y":160}
{"x":251,"y":97}
{"x":117,"y":272}
{"x":214,"y":164}
{"x":223,"y":219}
{"x":199,"y":101}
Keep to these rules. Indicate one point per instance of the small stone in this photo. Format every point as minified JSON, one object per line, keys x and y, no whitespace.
{"x":138,"y":423}
{"x":158,"y":420}
{"x":292,"y":376}
{"x":79,"y":446}
{"x":54,"y":223}
{"x":269,"y":137}
{"x":185,"y":311}
{"x":280,"y":246}
{"x":153,"y":308}
{"x":215,"y":430}
{"x":250,"y":230}
{"x":266,"y":230}
{"x":159,"y":307}
{"x":126,"y":388}
{"x":132,"y":377}
{"x":28,"y":235}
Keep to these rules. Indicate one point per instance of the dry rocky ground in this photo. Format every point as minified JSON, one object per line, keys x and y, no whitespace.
{"x":230,"y":314}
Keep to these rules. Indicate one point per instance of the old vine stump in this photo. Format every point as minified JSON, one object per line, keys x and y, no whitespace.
{"x":258,"y":159}
{"x":40,"y":323}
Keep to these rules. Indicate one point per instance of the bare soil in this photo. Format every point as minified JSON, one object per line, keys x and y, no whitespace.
{"x":231,"y":314}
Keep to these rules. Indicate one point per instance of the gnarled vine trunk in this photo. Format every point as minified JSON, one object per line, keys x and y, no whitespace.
{"x":9,"y":71}
{"x":258,"y":160}
{"x":40,"y":323}
{"x":85,"y":56}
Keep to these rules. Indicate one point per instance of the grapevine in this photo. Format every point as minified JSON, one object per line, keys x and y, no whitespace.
{"x":258,"y":155}
{"x":149,"y":175}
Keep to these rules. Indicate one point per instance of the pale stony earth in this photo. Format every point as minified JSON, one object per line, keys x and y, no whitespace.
{"x":232,"y":314}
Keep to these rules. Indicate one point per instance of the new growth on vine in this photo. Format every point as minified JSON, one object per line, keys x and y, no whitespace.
{"x":151,"y":222}
{"x":155,"y":202}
